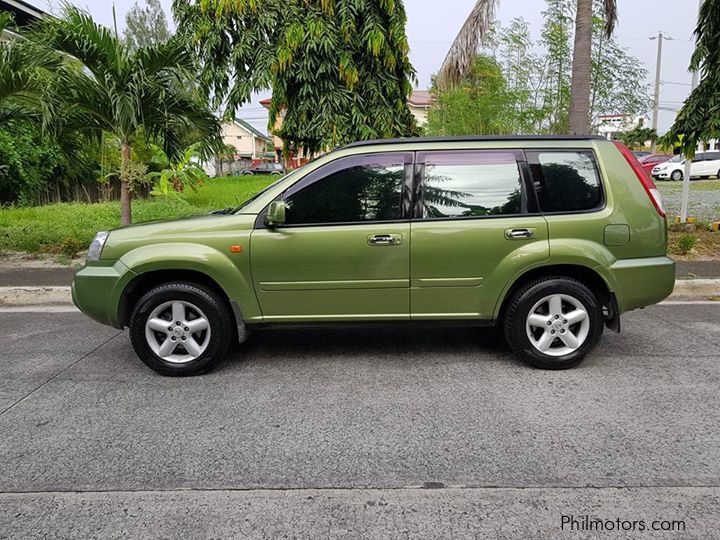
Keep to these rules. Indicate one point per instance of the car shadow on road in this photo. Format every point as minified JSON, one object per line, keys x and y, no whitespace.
{"x":369,"y":343}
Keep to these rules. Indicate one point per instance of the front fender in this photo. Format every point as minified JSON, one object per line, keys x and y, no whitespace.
{"x":204,"y":259}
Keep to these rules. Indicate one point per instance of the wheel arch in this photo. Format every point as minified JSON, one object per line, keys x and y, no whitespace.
{"x":142,"y":283}
{"x":586,"y":275}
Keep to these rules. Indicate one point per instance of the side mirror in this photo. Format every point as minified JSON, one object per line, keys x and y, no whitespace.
{"x":275,"y":215}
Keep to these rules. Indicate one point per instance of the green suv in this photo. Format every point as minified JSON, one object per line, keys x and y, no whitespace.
{"x":549,"y":239}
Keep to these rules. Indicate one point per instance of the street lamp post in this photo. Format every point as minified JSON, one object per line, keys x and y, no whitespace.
{"x":658,"y":67}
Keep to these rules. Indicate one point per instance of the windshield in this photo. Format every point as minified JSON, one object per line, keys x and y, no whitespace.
{"x":262,"y":191}
{"x":676,"y":159}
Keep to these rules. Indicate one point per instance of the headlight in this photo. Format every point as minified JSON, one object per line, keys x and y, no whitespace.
{"x":96,"y":247}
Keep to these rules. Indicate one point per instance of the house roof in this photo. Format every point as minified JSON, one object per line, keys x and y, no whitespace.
{"x":252,"y":129}
{"x":420,"y":98}
{"x":23,"y":12}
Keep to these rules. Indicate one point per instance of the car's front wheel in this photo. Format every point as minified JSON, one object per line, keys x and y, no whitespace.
{"x":553,"y":323}
{"x":676,"y":176}
{"x":180,"y":329}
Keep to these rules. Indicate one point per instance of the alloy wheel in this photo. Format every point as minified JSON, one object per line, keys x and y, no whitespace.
{"x":558,"y":325}
{"x":177,"y":331}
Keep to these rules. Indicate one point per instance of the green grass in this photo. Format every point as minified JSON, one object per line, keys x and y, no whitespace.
{"x":56,"y":228}
{"x":695,"y":185}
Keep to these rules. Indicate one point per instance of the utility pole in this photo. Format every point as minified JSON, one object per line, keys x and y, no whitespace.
{"x":688,"y":161}
{"x":658,"y":66}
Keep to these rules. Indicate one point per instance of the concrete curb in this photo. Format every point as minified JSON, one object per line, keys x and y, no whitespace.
{"x":60,"y":296}
{"x":697,"y":287}
{"x":35,"y":296}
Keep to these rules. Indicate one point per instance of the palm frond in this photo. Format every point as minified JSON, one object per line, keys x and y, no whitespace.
{"x":611,"y":16}
{"x":76,"y":34}
{"x":6,"y":21}
{"x":463,"y":50}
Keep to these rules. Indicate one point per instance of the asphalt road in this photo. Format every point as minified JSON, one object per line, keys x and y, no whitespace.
{"x":359,"y":433}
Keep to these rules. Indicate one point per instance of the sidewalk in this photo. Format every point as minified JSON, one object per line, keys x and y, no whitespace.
{"x":62,"y":276}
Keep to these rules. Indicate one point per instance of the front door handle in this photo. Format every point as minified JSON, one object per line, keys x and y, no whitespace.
{"x":385,"y":240}
{"x":517,"y":234}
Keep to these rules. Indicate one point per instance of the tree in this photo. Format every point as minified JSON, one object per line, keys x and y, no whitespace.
{"x":618,"y":80}
{"x":146,"y":25}
{"x":23,"y":74}
{"x":122,"y":92}
{"x":338,"y":69}
{"x":482,"y":104}
{"x":638,"y":136}
{"x":535,"y":94}
{"x":175,"y":176}
{"x":475,"y":32}
{"x":698,"y":120}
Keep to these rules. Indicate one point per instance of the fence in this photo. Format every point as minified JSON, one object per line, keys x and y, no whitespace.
{"x":88,"y":192}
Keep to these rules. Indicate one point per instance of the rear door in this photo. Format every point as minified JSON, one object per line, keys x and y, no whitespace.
{"x":344,"y":251}
{"x":474,"y":227}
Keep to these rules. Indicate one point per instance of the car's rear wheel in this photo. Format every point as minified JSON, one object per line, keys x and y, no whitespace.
{"x":553,"y":323}
{"x":181,"y":329}
{"x":676,"y":176}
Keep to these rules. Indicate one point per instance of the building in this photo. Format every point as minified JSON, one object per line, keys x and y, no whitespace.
{"x":610,"y":125}
{"x":249,"y":142}
{"x":24,"y":14}
{"x":419,"y":104}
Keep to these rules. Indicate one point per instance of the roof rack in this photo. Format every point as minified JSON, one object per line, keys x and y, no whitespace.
{"x":476,"y":138}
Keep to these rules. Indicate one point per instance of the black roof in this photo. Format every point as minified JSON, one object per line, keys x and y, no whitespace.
{"x":476,"y":138}
{"x":23,"y":12}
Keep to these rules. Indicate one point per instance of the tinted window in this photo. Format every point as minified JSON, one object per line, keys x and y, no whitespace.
{"x":712,"y":156}
{"x":471,"y":184}
{"x":365,"y":188}
{"x":566,"y":181}
{"x":698,"y":157}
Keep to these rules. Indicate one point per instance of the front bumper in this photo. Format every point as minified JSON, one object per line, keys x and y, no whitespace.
{"x":642,"y":282}
{"x":97,"y":289}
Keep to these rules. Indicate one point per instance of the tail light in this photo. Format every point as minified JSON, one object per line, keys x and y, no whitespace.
{"x":644,"y":178}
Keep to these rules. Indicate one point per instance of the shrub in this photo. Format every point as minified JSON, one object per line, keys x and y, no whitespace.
{"x":685,"y":243}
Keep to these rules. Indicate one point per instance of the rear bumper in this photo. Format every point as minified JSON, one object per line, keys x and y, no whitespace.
{"x":642,"y":282}
{"x":96,"y":290}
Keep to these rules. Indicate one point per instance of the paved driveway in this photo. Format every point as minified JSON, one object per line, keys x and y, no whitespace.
{"x":348,"y":433}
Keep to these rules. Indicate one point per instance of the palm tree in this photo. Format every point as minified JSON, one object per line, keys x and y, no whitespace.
{"x":475,"y":32}
{"x":23,"y":74}
{"x":107,"y":87}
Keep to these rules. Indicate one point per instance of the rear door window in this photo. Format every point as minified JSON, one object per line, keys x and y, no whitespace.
{"x":566,"y":181}
{"x":470,"y":184}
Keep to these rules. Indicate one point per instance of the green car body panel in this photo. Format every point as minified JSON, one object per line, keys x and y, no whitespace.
{"x":437,"y":269}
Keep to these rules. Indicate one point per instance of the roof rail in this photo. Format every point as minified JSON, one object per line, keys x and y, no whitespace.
{"x":475,"y":138}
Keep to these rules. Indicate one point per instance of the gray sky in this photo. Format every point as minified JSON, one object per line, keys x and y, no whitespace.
{"x":432,"y":26}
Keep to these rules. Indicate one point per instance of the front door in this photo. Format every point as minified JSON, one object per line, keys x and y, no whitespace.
{"x":344,"y":251}
{"x":472,"y":231}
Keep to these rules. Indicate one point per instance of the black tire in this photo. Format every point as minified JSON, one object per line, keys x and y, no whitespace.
{"x":676,"y":176}
{"x":518,"y":310}
{"x":215,"y":310}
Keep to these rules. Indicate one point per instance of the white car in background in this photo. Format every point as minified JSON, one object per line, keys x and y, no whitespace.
{"x":704,"y":165}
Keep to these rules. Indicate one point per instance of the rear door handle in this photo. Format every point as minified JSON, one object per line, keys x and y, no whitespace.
{"x":385,"y":240}
{"x":517,"y":234}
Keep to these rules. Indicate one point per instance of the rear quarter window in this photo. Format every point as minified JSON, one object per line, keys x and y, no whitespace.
{"x":566,"y":181}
